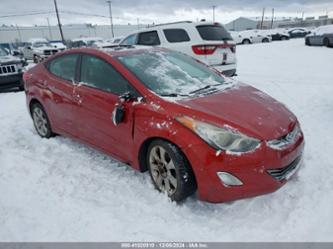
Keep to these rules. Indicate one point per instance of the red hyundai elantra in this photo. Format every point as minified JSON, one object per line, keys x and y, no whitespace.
{"x":162,"y":111}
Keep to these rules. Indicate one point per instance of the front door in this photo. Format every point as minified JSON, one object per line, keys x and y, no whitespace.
{"x":97,"y":97}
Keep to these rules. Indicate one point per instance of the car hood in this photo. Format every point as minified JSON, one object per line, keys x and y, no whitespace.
{"x":245,"y":108}
{"x":9,"y":59}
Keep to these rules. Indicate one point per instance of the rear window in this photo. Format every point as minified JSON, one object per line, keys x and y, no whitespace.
{"x":176,"y":35}
{"x":213,"y":33}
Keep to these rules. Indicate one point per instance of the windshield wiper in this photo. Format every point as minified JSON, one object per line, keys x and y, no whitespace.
{"x":173,"y":95}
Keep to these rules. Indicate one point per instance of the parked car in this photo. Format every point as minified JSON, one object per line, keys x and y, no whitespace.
{"x":163,"y":111}
{"x":298,"y":32}
{"x":321,"y":36}
{"x":205,"y":41}
{"x":278,"y":34}
{"x":238,"y":39}
{"x":254,"y":36}
{"x":58,"y":44}
{"x":37,"y":49}
{"x":115,"y":40}
{"x":11,"y":70}
{"x":12,"y":49}
{"x":87,"y":42}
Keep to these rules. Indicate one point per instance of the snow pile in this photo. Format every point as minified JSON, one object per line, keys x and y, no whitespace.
{"x":61,"y":190}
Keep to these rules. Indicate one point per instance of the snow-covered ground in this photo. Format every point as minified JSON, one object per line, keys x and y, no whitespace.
{"x":61,"y":190}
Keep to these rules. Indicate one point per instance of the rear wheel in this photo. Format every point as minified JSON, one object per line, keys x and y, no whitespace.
{"x":35,"y":59}
{"x":326,"y":42}
{"x":283,"y":38}
{"x":170,"y":170}
{"x":265,"y":40}
{"x":246,"y":41}
{"x":41,"y":121}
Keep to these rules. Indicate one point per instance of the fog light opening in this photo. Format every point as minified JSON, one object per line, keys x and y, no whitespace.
{"x":228,"y":180}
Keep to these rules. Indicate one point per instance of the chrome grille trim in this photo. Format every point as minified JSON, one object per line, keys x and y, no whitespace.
{"x":8,"y":69}
{"x":281,"y":174}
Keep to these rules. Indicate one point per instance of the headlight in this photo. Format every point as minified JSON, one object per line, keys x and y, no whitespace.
{"x":225,"y":138}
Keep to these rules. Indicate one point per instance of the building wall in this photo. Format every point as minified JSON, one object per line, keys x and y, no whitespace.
{"x":240,"y":24}
{"x":11,"y":34}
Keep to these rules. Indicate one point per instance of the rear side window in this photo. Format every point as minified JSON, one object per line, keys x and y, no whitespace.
{"x":149,"y":38}
{"x":99,"y":74}
{"x":176,"y":35}
{"x":213,"y":33}
{"x":64,"y":66}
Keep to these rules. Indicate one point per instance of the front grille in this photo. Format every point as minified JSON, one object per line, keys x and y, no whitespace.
{"x":281,"y":173}
{"x":8,"y":69}
{"x":50,"y":52}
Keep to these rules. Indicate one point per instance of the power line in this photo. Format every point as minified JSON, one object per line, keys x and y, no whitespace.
{"x":28,"y":14}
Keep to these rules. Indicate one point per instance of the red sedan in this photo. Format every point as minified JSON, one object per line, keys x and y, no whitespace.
{"x":162,"y":111}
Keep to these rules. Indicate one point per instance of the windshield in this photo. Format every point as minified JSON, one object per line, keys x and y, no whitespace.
{"x":170,"y":72}
{"x":41,"y":44}
{"x":3,"y":52}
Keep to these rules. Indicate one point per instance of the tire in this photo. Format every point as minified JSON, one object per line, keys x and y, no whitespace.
{"x":246,"y":41}
{"x":326,"y":42}
{"x":177,"y":179}
{"x":283,"y":38}
{"x":265,"y":40}
{"x":307,"y":42}
{"x":41,"y":121}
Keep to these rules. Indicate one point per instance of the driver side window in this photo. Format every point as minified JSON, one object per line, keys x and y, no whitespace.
{"x":99,"y":74}
{"x":131,"y":40}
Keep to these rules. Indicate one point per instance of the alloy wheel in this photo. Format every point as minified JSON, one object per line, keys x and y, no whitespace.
{"x":40,"y":121}
{"x":163,"y":170}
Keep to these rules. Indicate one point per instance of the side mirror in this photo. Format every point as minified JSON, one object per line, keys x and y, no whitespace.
{"x":29,"y":47}
{"x":118,"y":115}
{"x":16,"y":53}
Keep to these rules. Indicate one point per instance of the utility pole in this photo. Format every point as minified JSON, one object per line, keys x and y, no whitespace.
{"x":272,"y":18}
{"x":48,"y":24}
{"x":19,"y":32}
{"x":262,"y":18}
{"x":138,"y":23}
{"x":214,"y":6}
{"x":111,"y":22}
{"x":59,"y":24}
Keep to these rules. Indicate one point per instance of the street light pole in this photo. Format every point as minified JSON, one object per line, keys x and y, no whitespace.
{"x":214,"y":12}
{"x":59,"y":24}
{"x":111,"y":22}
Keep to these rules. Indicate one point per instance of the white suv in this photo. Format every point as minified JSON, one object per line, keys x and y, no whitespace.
{"x":206,"y":41}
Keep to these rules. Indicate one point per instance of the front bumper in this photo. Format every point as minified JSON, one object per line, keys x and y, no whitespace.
{"x":250,"y":168}
{"x":11,"y":81}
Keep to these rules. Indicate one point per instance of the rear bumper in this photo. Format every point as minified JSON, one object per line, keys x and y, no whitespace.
{"x":250,"y":168}
{"x":228,"y":70}
{"x":11,"y":81}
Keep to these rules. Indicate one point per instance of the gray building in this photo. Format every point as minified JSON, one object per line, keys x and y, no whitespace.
{"x":241,"y":23}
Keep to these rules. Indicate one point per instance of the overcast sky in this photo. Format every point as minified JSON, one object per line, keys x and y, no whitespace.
{"x":157,"y":11}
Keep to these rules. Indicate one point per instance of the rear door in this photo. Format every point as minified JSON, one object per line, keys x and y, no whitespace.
{"x":98,"y":94}
{"x":62,"y":74}
{"x":220,"y":47}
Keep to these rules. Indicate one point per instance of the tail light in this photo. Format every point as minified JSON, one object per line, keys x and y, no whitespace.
{"x":204,"y":49}
{"x":210,"y":49}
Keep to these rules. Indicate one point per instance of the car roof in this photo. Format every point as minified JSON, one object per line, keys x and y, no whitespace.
{"x":32,"y":40}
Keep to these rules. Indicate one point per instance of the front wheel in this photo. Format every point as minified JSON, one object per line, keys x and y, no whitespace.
{"x":246,"y":41}
{"x":41,"y":121}
{"x":170,"y":171}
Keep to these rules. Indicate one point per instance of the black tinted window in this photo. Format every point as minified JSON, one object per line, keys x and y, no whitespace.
{"x":149,"y":38}
{"x":99,"y":74}
{"x":213,"y":32}
{"x":64,"y":66}
{"x":176,"y":35}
